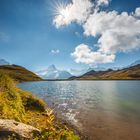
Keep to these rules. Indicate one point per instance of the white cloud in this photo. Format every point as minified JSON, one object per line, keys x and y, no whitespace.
{"x":102,"y":2}
{"x":116,"y":35}
{"x":83,"y":54}
{"x":77,"y":11}
{"x":55,"y":51}
{"x":118,"y":32}
{"x":137,"y":12}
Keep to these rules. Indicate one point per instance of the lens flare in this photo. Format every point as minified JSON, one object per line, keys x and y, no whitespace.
{"x":60,"y":8}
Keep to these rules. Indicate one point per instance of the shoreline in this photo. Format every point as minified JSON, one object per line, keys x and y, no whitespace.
{"x":72,"y":127}
{"x":60,"y":120}
{"x":23,"y":106}
{"x":89,"y":80}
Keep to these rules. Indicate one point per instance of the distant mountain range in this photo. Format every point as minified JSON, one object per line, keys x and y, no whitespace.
{"x":53,"y":73}
{"x":78,"y":72}
{"x":130,"y":73}
{"x":88,"y":73}
{"x":4,"y":62}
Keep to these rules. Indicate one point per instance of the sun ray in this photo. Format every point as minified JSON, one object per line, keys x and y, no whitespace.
{"x":59,"y":8}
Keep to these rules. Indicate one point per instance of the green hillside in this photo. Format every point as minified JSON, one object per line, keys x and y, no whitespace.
{"x":19,"y":73}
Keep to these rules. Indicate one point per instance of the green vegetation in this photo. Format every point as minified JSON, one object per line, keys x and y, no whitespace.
{"x":19,"y":73}
{"x":22,"y":106}
{"x":10,"y":101}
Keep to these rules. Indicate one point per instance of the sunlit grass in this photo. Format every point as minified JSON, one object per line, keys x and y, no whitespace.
{"x":22,"y":106}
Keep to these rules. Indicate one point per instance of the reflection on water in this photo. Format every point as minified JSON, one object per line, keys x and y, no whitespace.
{"x":94,"y":106}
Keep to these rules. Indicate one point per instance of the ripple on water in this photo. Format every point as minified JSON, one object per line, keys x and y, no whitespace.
{"x":97,"y":107}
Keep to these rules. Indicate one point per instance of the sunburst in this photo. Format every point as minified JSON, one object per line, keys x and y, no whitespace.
{"x":60,"y":8}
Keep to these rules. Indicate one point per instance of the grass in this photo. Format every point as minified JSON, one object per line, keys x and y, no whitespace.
{"x":10,"y":101}
{"x":22,"y":106}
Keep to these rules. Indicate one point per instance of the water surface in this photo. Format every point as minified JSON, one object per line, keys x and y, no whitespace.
{"x":103,"y":110}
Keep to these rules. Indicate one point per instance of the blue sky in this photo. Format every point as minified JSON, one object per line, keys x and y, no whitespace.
{"x":29,"y":38}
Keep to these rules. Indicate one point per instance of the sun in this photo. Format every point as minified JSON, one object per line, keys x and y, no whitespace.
{"x":60,"y":8}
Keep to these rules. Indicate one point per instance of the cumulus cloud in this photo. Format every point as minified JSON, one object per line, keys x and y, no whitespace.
{"x":77,"y":11}
{"x":55,"y":51}
{"x":137,"y":12}
{"x":115,"y":32}
{"x":118,"y":32}
{"x":83,"y":54}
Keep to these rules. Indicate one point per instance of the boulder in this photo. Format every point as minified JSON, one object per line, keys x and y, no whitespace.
{"x":9,"y":128}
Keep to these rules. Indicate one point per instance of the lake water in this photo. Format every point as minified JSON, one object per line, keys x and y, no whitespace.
{"x":102,"y":110}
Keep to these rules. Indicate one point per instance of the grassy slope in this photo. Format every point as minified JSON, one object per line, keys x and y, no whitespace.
{"x":19,"y":73}
{"x":132,"y":73}
{"x":24,"y":107}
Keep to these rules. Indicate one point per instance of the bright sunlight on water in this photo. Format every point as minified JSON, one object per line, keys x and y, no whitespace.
{"x":103,"y":110}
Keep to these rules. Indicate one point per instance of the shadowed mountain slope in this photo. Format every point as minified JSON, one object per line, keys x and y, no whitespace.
{"x":19,"y":73}
{"x":131,"y":73}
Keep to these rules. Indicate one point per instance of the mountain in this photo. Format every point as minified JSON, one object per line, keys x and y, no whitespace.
{"x":52,"y":68}
{"x":53,"y":73}
{"x":130,"y":73}
{"x":47,"y":71}
{"x":19,"y":73}
{"x":135,"y":63}
{"x":4,"y":62}
{"x":77,"y":72}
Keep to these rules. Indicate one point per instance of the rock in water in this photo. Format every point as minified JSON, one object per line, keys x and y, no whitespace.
{"x":19,"y":130}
